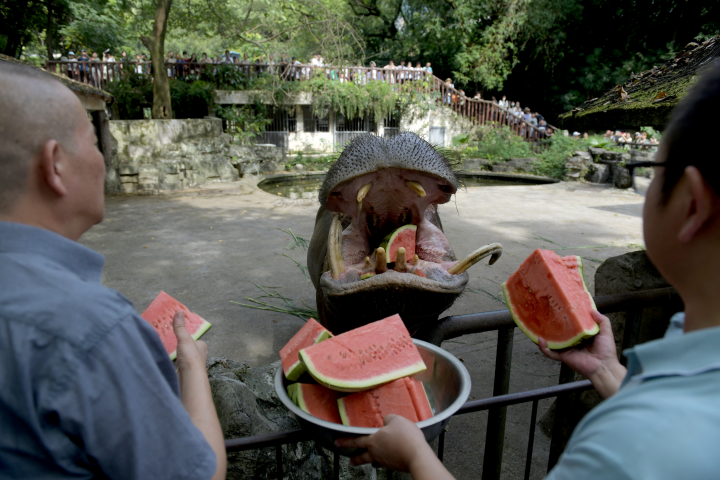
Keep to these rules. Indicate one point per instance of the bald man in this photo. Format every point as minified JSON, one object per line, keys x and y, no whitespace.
{"x":86,"y":387}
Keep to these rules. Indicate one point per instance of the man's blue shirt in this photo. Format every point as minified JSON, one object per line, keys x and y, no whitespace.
{"x":664,"y":422}
{"x":86,"y":387}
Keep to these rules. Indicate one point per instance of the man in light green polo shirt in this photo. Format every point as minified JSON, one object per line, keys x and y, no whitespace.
{"x":661,"y":419}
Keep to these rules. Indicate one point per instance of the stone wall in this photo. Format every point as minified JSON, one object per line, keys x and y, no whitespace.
{"x":149,"y":156}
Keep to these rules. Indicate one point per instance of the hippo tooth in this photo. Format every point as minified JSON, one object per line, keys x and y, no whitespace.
{"x":494,"y":249}
{"x":380,"y":260}
{"x":416,"y":187}
{"x":400,"y":260}
{"x":415,"y":260}
{"x":368,"y":265}
{"x":361,"y":194}
{"x":337,"y":264}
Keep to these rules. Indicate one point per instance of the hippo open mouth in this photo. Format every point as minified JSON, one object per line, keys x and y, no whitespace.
{"x":375,"y":187}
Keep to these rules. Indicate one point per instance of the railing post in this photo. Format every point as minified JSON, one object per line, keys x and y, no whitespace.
{"x":495,"y":436}
{"x":562,"y":426}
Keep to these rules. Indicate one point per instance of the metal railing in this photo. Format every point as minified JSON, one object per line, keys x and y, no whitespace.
{"x":459,"y":325}
{"x":477,"y":111}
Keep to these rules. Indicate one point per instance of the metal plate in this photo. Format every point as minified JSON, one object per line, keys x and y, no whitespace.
{"x":446,"y":381}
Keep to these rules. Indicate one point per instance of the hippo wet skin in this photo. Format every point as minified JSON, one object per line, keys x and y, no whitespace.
{"x":376,"y":186}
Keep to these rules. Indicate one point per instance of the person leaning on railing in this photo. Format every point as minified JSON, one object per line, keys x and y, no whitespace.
{"x":661,"y":416}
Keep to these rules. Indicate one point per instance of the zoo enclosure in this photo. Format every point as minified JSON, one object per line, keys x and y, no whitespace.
{"x":478,"y":112}
{"x":501,"y":321}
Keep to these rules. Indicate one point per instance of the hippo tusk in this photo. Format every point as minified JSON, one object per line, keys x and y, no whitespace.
{"x":334,"y":249}
{"x":416,"y":187}
{"x":494,"y":249}
{"x":415,"y":260}
{"x":368,"y":264}
{"x":361,"y":194}
{"x":400,"y":260}
{"x":380,"y":260}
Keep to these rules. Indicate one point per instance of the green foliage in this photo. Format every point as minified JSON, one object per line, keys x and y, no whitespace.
{"x":498,"y":144}
{"x":244,"y":123}
{"x":135,"y":92}
{"x":651,"y":133}
{"x":314,"y":163}
{"x":551,"y":161}
{"x":461,"y":139}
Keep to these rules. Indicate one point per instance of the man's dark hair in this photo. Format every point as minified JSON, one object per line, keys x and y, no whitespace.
{"x":687,"y":139}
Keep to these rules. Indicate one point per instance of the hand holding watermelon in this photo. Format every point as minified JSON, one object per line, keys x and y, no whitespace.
{"x":596,"y":360}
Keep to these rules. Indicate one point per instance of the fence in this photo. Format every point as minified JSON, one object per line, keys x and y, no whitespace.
{"x":477,"y":111}
{"x":501,"y":321}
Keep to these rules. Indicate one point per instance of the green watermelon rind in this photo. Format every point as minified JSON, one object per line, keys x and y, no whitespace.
{"x":555,"y":345}
{"x":298,"y":368}
{"x":390,"y":238}
{"x":359,"y":385}
{"x":204,"y":327}
{"x":295,"y":393}
{"x":343,"y":413}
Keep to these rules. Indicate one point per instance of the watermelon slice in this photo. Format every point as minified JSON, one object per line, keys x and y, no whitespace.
{"x":367,"y":409}
{"x":402,"y":237}
{"x":160,"y":315}
{"x":311,"y":333}
{"x":547,"y":298}
{"x":365,"y":357}
{"x":419,"y":398}
{"x":316,"y":400}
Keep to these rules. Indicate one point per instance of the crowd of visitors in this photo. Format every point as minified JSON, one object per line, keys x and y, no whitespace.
{"x":183,"y":65}
{"x":639,"y":141}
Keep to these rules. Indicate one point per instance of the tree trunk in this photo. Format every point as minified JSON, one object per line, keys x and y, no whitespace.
{"x":162,"y":106}
{"x":50,"y":31}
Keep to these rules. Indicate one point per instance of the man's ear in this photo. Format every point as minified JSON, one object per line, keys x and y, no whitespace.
{"x":702,"y":205}
{"x":53,"y":167}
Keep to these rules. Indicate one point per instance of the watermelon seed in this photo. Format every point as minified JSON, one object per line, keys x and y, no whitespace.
{"x":155,"y":323}
{"x":372,"y":355}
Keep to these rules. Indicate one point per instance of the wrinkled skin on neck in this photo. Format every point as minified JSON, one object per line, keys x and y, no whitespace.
{"x":375,"y":187}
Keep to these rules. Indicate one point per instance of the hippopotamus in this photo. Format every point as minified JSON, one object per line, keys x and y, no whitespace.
{"x":376,"y":186}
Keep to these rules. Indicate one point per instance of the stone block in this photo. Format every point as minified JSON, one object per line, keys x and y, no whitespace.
{"x":611,"y":157}
{"x":502,"y":168}
{"x":128,"y":179}
{"x":129,"y":169}
{"x":622,"y":178}
{"x":129,"y":188}
{"x":475,"y":163}
{"x":576,"y":167}
{"x":582,"y":153}
{"x":598,"y":173}
{"x":596,"y":152}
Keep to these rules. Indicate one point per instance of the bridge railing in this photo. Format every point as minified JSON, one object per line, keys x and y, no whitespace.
{"x":477,"y":111}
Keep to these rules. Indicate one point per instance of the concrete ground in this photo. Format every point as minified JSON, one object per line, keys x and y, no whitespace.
{"x":212,"y":246}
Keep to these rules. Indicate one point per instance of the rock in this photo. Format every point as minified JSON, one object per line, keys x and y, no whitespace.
{"x":596,"y":152}
{"x":522,"y":164}
{"x":576,"y":167}
{"x":598,"y":173}
{"x":501,"y":168}
{"x":171,"y":154}
{"x":622,"y":178}
{"x":476,"y":163}
{"x":611,"y":157}
{"x":298,"y":167}
{"x":129,"y":188}
{"x":247,"y":405}
{"x":582,"y":153}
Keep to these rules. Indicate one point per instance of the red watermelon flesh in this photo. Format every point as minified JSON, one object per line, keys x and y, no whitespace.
{"x":365,"y":357}
{"x":311,"y":333}
{"x":316,"y":400}
{"x":401,"y":237}
{"x":419,"y":398}
{"x":160,"y":315}
{"x":367,"y":409}
{"x":547,"y":298}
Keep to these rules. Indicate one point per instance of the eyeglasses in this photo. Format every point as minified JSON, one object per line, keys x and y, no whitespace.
{"x":642,"y":174}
